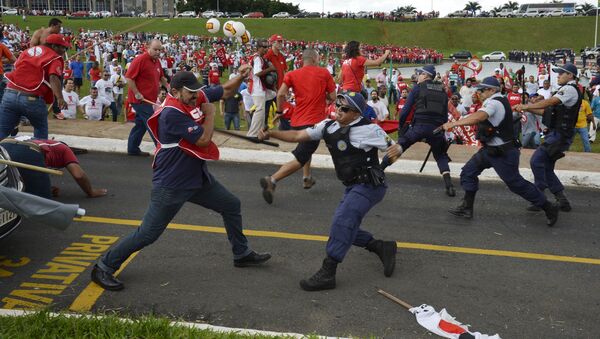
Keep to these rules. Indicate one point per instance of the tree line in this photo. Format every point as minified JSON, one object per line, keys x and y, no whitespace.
{"x":267,"y":7}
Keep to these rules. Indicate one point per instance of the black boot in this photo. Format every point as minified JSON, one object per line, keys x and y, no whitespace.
{"x":551,"y":211}
{"x":324,"y":279}
{"x":106,"y":280}
{"x":386,"y":251}
{"x":449,"y":187}
{"x":563,"y":202}
{"x":465,"y":209}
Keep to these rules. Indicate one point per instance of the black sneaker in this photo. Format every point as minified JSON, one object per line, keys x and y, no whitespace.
{"x":106,"y":280}
{"x":252,"y":259}
{"x":450,"y":191}
{"x":268,"y":189}
{"x":309,"y":182}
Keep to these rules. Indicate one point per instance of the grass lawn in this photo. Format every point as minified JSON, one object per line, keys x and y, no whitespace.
{"x":479,"y":35}
{"x":43,"y":325}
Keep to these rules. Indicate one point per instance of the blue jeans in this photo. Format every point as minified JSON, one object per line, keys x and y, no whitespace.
{"x":164,"y":205}
{"x":3,"y":83}
{"x":507,"y":168}
{"x":15,"y":105}
{"x":142,"y":113}
{"x":345,"y":227}
{"x":114,"y":111}
{"x":232,"y":117}
{"x":585,"y":138}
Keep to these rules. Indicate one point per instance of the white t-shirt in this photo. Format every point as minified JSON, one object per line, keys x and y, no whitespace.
{"x":94,"y":107}
{"x":105,"y":89}
{"x":72,"y":100}
{"x":541,"y":79}
{"x":546,"y":93}
{"x":113,"y":69}
{"x":115,"y":79}
{"x":257,"y":87}
{"x":466,"y":94}
{"x":248,"y":103}
{"x":380,"y":109}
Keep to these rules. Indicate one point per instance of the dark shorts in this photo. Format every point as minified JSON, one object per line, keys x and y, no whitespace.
{"x":78,"y":82}
{"x":305,"y":149}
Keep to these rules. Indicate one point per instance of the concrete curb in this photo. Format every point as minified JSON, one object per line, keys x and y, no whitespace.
{"x":568,"y":177}
{"x":221,"y":329}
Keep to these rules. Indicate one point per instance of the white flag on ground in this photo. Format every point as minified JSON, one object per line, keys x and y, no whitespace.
{"x":444,"y":325}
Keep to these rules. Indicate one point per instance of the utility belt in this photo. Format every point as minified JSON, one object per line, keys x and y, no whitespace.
{"x":370,"y":175}
{"x":500,"y":150}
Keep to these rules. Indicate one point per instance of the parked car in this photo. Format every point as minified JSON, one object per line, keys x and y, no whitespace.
{"x":105,"y":14}
{"x":187,"y":14}
{"x":506,"y":13}
{"x":233,"y":15}
{"x":485,"y":14}
{"x":80,"y":14}
{"x":209,"y":14}
{"x":10,"y":11}
{"x":313,"y":15}
{"x":561,"y":52}
{"x":363,"y":15}
{"x":496,"y":55}
{"x":461,"y":55}
{"x":590,"y":53}
{"x":281,"y":15}
{"x":459,"y":14}
{"x":254,"y":15}
{"x":532,"y":13}
{"x":9,"y":177}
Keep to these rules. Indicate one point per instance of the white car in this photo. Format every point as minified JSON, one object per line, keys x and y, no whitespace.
{"x":187,"y":14}
{"x":496,"y":55}
{"x":532,"y":13}
{"x":281,"y":15}
{"x":105,"y":14}
{"x":11,"y":11}
{"x":209,"y":14}
{"x":506,"y":13}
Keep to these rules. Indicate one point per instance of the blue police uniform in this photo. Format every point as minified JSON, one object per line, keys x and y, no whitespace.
{"x":430,"y":101}
{"x":561,"y":121}
{"x":499,"y":152}
{"x":354,"y":151}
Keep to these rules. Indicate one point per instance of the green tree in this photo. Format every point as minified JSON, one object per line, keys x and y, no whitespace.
{"x":472,"y":6}
{"x":585,"y":7}
{"x":267,"y":7}
{"x":496,"y":10}
{"x":512,"y":5}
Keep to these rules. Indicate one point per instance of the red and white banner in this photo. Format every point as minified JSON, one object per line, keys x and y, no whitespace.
{"x":222,"y":55}
{"x":445,"y":325}
{"x":468,"y":134}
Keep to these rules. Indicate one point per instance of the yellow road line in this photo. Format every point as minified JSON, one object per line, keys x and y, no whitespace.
{"x":88,"y":297}
{"x":407,"y":245}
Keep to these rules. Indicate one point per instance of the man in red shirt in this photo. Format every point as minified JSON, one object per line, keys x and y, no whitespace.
{"x":314,"y":88}
{"x":34,"y":83}
{"x":277,"y":59}
{"x":144,"y":77}
{"x":214,"y":77}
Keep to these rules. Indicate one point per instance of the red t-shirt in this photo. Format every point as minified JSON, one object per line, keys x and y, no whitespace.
{"x":513,"y":98}
{"x":147,"y":74}
{"x":353,"y":71}
{"x":67,"y":74}
{"x":310,"y":84}
{"x":56,"y":154}
{"x":278,"y":60}
{"x":213,"y":77}
{"x":95,"y":74}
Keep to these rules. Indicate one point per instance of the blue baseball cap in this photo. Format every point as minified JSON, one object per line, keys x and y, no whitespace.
{"x":429,"y":69}
{"x":489,"y":82}
{"x":355,"y":100}
{"x":568,"y":68}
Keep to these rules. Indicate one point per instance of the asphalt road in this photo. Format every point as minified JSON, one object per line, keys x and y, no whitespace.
{"x":188,"y":273}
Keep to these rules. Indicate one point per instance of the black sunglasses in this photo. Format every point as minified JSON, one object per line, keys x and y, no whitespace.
{"x":343,"y":108}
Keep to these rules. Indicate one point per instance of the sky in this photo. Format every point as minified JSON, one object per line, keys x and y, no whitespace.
{"x":443,"y":6}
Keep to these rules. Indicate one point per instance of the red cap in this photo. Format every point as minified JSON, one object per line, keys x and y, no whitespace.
{"x":57,"y":39}
{"x":275,"y":37}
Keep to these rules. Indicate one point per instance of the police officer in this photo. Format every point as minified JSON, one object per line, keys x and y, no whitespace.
{"x":559,"y":113}
{"x":430,"y":102}
{"x":495,"y":131}
{"x":353,"y":143}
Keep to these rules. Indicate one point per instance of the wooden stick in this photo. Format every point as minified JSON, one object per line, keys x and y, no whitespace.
{"x":396,"y":300}
{"x":30,"y":167}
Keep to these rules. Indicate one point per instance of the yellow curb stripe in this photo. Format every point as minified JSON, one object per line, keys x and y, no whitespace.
{"x":88,"y":297}
{"x":406,"y":245}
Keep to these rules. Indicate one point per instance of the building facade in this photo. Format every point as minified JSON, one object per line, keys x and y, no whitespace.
{"x":120,"y":6}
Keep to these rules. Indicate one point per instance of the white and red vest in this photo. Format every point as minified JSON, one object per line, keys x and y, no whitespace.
{"x":210,"y":152}
{"x":30,"y":74}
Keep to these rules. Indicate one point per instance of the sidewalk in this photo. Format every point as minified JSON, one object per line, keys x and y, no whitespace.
{"x":576,"y":169}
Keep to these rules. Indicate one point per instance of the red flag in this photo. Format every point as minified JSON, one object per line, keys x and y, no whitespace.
{"x":221,"y":55}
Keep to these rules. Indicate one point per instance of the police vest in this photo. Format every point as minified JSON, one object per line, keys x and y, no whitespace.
{"x":30,"y":74}
{"x":561,"y":119}
{"x":210,"y":152}
{"x":486,"y":131}
{"x":352,"y":165}
{"x":432,"y":103}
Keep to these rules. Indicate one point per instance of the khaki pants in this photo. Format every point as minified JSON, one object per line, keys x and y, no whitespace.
{"x":258,"y":118}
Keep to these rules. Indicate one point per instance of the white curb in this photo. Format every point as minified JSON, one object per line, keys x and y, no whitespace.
{"x":221,"y":329}
{"x":568,"y":178}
